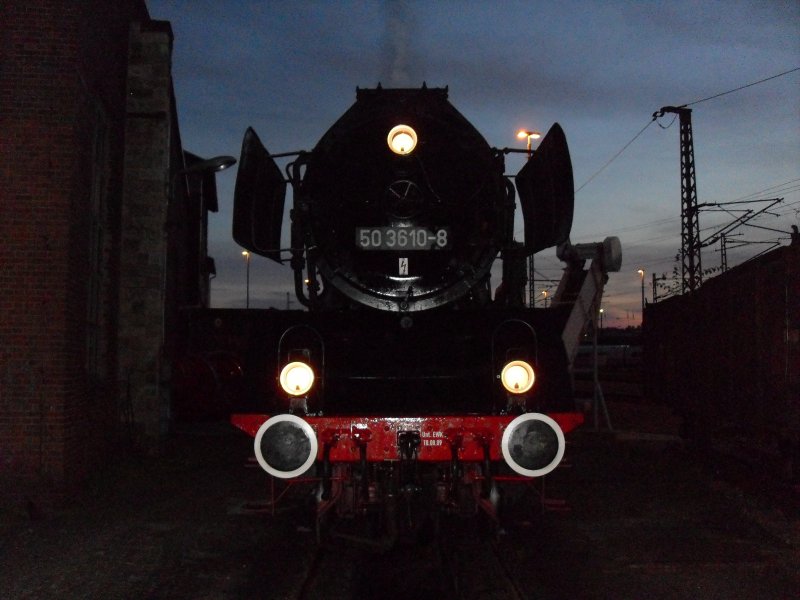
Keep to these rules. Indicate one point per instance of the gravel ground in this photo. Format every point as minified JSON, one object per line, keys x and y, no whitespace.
{"x":647,"y":520}
{"x":165,"y":528}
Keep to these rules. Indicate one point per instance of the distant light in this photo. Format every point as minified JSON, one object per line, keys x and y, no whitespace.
{"x":522,"y":134}
{"x":640,"y":272}
{"x":402,"y":139}
{"x":218,"y":163}
{"x":245,"y":253}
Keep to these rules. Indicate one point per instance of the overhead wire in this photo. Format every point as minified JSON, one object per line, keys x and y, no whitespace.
{"x":650,"y":122}
{"x":648,"y":224}
{"x":778,"y":188}
{"x":767,"y":189}
{"x":741,"y":87}
{"x":645,"y":225}
{"x":613,"y":158}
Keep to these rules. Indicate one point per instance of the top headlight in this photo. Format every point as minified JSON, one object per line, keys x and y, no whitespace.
{"x":402,"y":140}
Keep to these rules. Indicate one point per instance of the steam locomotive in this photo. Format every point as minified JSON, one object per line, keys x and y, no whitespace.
{"x":406,"y":380}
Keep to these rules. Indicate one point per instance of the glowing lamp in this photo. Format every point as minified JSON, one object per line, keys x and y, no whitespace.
{"x":297,"y":378}
{"x":517,"y":377}
{"x":402,"y":140}
{"x":522,"y":134}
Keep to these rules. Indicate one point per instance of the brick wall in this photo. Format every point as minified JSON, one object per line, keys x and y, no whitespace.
{"x":148,"y":189}
{"x":63,"y":73}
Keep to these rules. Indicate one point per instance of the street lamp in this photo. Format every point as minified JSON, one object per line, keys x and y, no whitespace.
{"x":530,"y":135}
{"x":523,"y":134}
{"x":201,"y":167}
{"x":601,"y":317}
{"x":246,"y":255}
{"x":641,"y":276}
{"x":218,"y":163}
{"x":544,"y":293}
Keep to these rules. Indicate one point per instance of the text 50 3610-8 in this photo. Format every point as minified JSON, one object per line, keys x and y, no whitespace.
{"x":402,"y":238}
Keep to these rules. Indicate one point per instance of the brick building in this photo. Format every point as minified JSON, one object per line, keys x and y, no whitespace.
{"x":103,"y":237}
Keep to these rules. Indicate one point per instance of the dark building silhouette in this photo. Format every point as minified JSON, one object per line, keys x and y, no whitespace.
{"x":728,"y":354}
{"x":103,"y":237}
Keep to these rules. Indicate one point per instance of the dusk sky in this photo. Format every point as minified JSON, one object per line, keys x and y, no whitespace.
{"x":290,"y":69}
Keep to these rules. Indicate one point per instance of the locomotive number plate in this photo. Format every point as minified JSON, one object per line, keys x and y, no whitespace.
{"x":402,"y":238}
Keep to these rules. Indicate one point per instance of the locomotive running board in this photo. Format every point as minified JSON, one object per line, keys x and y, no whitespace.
{"x":378,"y":439}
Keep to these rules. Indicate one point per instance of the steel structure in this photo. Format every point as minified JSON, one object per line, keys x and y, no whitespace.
{"x":691,"y":269}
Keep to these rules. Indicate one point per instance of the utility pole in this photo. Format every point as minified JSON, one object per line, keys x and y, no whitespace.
{"x":655,"y":286}
{"x":641,"y":276}
{"x":723,"y":233}
{"x":246,"y":255}
{"x":723,"y":250}
{"x":531,"y":282}
{"x":691,"y":269}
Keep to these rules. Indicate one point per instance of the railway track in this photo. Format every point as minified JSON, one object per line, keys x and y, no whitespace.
{"x":477,"y":570}
{"x":460,"y":563}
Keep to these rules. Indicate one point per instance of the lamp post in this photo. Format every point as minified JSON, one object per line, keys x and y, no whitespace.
{"x":530,"y":135}
{"x":201,"y":167}
{"x":218,"y":163}
{"x":246,"y":255}
{"x":601,"y":317}
{"x":544,"y":293}
{"x":641,"y":276}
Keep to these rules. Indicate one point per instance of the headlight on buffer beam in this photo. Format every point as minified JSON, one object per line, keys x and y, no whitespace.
{"x":297,"y":378}
{"x":517,"y":377}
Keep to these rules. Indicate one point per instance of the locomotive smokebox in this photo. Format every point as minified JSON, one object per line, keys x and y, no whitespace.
{"x":533,"y":444}
{"x":285,"y":446}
